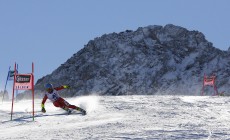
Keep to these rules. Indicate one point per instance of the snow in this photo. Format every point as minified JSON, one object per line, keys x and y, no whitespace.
{"x":150,"y":42}
{"x":121,"y":117}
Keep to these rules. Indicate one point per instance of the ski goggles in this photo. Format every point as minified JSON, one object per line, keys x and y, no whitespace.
{"x":49,"y":89}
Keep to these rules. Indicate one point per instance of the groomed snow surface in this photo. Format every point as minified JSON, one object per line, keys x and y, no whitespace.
{"x":121,"y":117}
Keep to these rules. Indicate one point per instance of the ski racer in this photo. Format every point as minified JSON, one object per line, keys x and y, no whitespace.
{"x":52,"y":95}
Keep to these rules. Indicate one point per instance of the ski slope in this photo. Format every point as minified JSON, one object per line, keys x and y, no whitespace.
{"x":121,"y":117}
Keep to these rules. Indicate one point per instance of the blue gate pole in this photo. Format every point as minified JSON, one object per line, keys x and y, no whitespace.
{"x":5,"y":85}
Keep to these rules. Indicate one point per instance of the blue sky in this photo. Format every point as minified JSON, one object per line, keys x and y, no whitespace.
{"x":48,"y":32}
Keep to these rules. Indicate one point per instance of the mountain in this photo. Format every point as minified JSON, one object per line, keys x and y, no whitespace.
{"x":151,"y":60}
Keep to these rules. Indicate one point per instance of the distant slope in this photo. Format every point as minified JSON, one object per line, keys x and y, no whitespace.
{"x":150,"y":60}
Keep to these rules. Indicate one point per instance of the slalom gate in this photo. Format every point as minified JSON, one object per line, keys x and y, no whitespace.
{"x":23,"y":82}
{"x":10,"y":77}
{"x":209,"y":81}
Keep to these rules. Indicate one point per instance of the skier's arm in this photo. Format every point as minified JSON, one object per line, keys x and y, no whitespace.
{"x":44,"y":99}
{"x":62,"y":87}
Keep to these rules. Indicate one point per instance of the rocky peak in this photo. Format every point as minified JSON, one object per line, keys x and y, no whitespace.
{"x":151,"y":60}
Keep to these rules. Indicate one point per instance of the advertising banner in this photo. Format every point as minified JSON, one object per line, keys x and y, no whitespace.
{"x":23,"y":81}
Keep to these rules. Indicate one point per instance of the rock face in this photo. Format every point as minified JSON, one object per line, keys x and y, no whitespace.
{"x":150,"y":60}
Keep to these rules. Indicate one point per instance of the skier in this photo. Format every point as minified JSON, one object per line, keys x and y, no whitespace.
{"x":52,"y":94}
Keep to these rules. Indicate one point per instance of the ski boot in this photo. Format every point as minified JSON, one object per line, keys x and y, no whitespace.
{"x":68,"y":110}
{"x":81,"y":110}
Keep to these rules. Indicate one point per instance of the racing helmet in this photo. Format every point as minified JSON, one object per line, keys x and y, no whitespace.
{"x":48,"y":86}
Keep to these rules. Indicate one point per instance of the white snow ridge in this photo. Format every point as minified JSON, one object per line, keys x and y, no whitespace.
{"x":121,"y":117}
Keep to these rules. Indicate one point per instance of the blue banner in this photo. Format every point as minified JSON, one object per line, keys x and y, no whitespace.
{"x":10,"y":75}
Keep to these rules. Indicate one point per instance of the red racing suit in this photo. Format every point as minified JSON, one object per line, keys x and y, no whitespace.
{"x":56,"y":99}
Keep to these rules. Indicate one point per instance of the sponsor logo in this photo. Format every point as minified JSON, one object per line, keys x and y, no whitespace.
{"x":23,"y":78}
{"x":22,"y":87}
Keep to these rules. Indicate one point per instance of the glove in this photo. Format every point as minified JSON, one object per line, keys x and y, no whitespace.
{"x":66,"y":86}
{"x":43,"y":110}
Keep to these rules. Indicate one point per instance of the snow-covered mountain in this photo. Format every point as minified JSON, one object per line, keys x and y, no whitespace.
{"x":154,"y":59}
